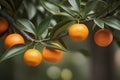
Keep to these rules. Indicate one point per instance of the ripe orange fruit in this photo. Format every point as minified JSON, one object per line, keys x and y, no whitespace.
{"x":3,"y":24}
{"x":32,"y":57}
{"x":103,"y":37}
{"x":52,"y":55}
{"x":4,"y":36}
{"x":13,"y":39}
{"x":78,"y":32}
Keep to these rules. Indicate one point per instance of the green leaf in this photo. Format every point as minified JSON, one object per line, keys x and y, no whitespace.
{"x":26,"y":25}
{"x":78,"y":4}
{"x":95,"y":7}
{"x":74,"y":4}
{"x":53,"y":9}
{"x":112,"y":22}
{"x":64,"y":8}
{"x":62,"y":14}
{"x":31,"y":10}
{"x":49,"y":45}
{"x":13,"y":51}
{"x":99,"y":22}
{"x":43,"y":26}
{"x":67,"y":10}
{"x":63,"y":43}
{"x":60,"y":27}
{"x":113,"y":5}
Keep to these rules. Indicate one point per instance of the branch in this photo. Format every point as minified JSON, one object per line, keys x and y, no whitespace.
{"x":108,"y":14}
{"x":5,"y":14}
{"x":56,"y":38}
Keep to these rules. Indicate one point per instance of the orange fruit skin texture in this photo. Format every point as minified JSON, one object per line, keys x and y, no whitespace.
{"x":103,"y":37}
{"x":13,"y":39}
{"x":3,"y":36}
{"x":78,"y":32}
{"x":52,"y":55}
{"x":3,"y":25}
{"x":32,"y":57}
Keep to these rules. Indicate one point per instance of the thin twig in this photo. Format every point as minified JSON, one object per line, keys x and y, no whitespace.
{"x":5,"y":14}
{"x":53,"y":39}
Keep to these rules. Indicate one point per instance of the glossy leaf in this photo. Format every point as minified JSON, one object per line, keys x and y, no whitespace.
{"x":43,"y":26}
{"x":62,"y":14}
{"x":60,"y":27}
{"x":47,"y":7}
{"x":73,"y":4}
{"x":13,"y":51}
{"x":26,"y":25}
{"x":67,"y":10}
{"x":112,"y":22}
{"x":52,"y":46}
{"x":63,"y":43}
{"x":31,"y":10}
{"x":52,"y":7}
{"x":99,"y":22}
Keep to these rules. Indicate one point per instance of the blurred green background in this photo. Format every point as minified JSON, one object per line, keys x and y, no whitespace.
{"x":83,"y":60}
{"x":75,"y":65}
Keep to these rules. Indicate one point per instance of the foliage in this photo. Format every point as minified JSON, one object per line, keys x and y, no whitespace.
{"x":46,"y":20}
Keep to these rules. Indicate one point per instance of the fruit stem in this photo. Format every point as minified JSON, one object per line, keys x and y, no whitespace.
{"x":10,"y":19}
{"x":5,"y":14}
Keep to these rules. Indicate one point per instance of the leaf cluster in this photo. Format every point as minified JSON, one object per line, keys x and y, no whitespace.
{"x":46,"y":20}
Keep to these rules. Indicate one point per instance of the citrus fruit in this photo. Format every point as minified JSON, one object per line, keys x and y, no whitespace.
{"x":13,"y":39}
{"x":78,"y":32}
{"x":52,"y":55}
{"x":32,"y":57}
{"x":3,"y":24}
{"x":103,"y":37}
